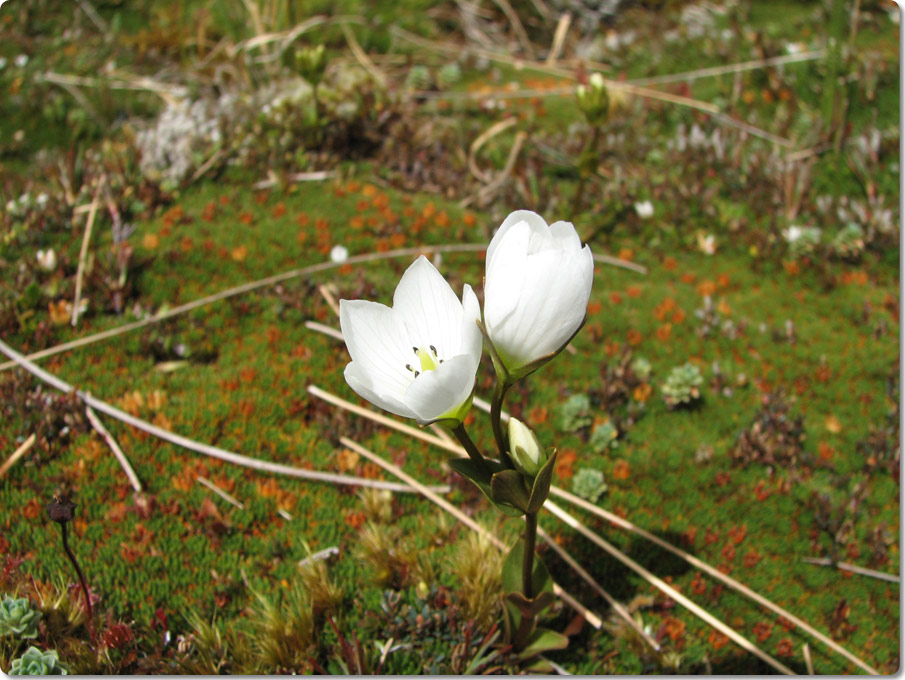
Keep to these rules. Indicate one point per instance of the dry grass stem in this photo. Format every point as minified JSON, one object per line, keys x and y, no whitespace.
{"x":24,"y":448}
{"x":589,"y":616}
{"x":232,"y":500}
{"x":488,"y":190}
{"x":591,"y":581}
{"x":292,"y":178}
{"x":117,"y":451}
{"x":83,"y":253}
{"x":192,"y":445}
{"x":667,"y":589}
{"x":362,"y":58}
{"x":559,"y":38}
{"x":845,"y":566}
{"x":480,"y":140}
{"x":729,"y":68}
{"x":715,"y":573}
{"x":325,"y":329}
{"x":806,"y":651}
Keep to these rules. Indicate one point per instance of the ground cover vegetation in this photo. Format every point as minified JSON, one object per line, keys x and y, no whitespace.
{"x":734,"y":391}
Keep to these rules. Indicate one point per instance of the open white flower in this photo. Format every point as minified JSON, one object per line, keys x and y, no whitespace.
{"x":537,"y":285}
{"x":419,"y":358}
{"x":645,"y":209}
{"x":47,"y":259}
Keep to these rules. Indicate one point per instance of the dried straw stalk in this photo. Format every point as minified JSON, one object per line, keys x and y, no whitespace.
{"x":24,"y":448}
{"x":117,"y":451}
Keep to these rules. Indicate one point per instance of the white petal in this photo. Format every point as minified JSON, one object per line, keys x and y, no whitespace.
{"x":376,"y":340}
{"x":535,"y":224}
{"x":362,"y":382}
{"x":439,"y":393}
{"x":428,"y":307}
{"x":472,"y":342}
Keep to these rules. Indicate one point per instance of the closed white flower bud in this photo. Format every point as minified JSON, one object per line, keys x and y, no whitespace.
{"x":525,"y":449}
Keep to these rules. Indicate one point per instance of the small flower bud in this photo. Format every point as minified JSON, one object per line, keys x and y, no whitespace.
{"x":594,"y":100}
{"x":525,"y":449}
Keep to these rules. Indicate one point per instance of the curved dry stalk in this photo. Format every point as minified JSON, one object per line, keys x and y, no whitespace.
{"x":24,"y":448}
{"x":117,"y":451}
{"x":191,"y":444}
{"x":588,"y":615}
{"x":715,"y":573}
{"x":664,"y":587}
{"x":83,"y":254}
{"x":480,"y":140}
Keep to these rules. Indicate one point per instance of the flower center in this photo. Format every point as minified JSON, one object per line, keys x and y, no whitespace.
{"x":428,"y":359}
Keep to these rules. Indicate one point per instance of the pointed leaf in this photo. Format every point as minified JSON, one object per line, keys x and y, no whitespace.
{"x":508,"y":487}
{"x":541,"y":488}
{"x":481,"y":478}
{"x":532,"y":607}
{"x":543,"y":640}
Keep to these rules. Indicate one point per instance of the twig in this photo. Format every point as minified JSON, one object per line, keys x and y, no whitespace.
{"x":667,"y":589}
{"x":362,"y":58}
{"x":192,"y":445}
{"x":589,"y":616}
{"x":247,"y":288}
{"x":512,"y":16}
{"x":323,"y":328}
{"x":170,"y":94}
{"x":845,"y":566}
{"x":480,"y":140}
{"x":24,"y":448}
{"x":559,"y":38}
{"x":729,"y":68}
{"x":715,"y":573}
{"x":314,"y":176}
{"x":83,"y":254}
{"x":591,"y":581}
{"x":96,"y":18}
{"x":807,"y":658}
{"x":319,"y":556}
{"x":232,"y":500}
{"x":207,"y":165}
{"x":117,"y":451}
{"x":326,"y":291}
{"x":489,"y":189}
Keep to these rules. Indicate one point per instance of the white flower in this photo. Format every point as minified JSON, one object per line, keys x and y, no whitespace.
{"x":21,"y":60}
{"x":339,"y":254}
{"x":47,"y":260}
{"x":537,"y":285}
{"x":419,"y":358}
{"x":706,"y":243}
{"x":644,"y":209}
{"x":2,"y":63}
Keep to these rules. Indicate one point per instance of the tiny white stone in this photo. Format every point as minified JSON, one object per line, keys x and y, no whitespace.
{"x":339,"y":254}
{"x":645,"y":209}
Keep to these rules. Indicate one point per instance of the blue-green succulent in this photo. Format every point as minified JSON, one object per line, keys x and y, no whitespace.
{"x":589,"y":484}
{"x":681,"y":386}
{"x":36,"y":662}
{"x":17,"y":618}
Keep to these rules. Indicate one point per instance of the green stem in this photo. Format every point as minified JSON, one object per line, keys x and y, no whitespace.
{"x":470,"y":447}
{"x":528,"y":561}
{"x":584,"y":174}
{"x":496,"y":409}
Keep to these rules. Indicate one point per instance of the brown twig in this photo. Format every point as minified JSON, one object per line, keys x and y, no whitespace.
{"x":24,"y":448}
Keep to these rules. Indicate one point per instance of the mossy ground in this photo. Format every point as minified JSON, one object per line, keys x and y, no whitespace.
{"x":242,"y":387}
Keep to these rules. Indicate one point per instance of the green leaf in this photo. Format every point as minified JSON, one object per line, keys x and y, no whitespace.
{"x":543,"y":640}
{"x":512,"y":572}
{"x":481,"y":479}
{"x":541,"y":488}
{"x":508,"y":487}
{"x":531,"y":607}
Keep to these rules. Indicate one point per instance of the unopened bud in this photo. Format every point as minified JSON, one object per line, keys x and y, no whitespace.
{"x":525,"y":449}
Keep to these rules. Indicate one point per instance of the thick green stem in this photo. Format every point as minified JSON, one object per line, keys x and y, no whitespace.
{"x":528,"y":561}
{"x":470,"y":447}
{"x":496,"y":410}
